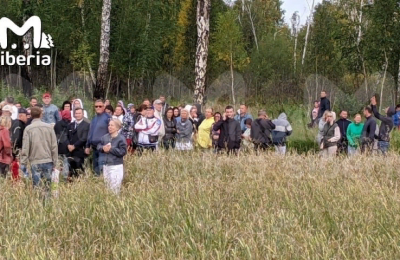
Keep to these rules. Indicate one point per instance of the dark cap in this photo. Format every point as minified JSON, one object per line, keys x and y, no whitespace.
{"x":23,"y":111}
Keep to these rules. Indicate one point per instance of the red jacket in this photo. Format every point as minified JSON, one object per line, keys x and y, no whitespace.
{"x":5,"y":146}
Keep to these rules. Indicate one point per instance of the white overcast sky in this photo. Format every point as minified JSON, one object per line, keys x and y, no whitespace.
{"x":290,"y":6}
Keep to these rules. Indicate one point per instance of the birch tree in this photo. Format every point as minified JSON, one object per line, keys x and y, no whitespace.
{"x":101,"y":82}
{"x":203,"y":32}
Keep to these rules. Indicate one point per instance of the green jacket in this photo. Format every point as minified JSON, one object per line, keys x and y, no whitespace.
{"x":354,"y":133}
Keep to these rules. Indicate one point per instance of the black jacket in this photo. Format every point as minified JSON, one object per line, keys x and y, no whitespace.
{"x":16,"y":134}
{"x":261,"y":130}
{"x":77,"y":136}
{"x":61,"y":130}
{"x":230,"y":135}
{"x":170,"y":129}
{"x":343,"y":125}
{"x":387,"y":123}
{"x":325,"y":105}
{"x":368,"y":132}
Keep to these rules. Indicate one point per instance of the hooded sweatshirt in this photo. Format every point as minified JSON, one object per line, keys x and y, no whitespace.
{"x":386,"y":125}
{"x":282,"y":130}
{"x":73,"y":109}
{"x":353,"y":134}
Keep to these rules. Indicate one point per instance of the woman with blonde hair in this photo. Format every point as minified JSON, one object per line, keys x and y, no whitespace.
{"x":321,"y":125}
{"x":330,"y":136}
{"x":5,"y":145}
{"x":204,"y":137}
{"x":113,"y":148}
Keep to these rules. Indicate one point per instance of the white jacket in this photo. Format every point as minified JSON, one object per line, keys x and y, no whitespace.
{"x":146,"y":127}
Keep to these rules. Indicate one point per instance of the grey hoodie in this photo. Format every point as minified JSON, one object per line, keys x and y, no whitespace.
{"x":387,"y":123}
{"x":282,"y":129}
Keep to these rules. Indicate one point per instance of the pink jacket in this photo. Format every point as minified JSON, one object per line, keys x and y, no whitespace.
{"x":5,"y":146}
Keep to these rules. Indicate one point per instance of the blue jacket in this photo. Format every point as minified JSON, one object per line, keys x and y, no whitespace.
{"x":242,"y":121}
{"x":50,"y":114}
{"x":396,"y":119}
{"x":98,"y":129}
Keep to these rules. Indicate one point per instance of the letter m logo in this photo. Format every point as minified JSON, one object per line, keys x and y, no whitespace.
{"x":40,"y":40}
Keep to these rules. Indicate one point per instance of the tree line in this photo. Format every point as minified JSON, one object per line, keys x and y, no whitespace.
{"x":121,"y":47}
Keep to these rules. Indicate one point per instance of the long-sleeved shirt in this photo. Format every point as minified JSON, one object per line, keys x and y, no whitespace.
{"x":325,"y":105}
{"x":50,"y":114}
{"x":368,"y":132}
{"x":98,"y":128}
{"x":148,"y":127}
{"x":396,"y":119}
{"x":353,"y":134}
{"x":386,"y":125}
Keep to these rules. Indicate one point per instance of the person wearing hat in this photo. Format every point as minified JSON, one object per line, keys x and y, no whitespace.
{"x":157,"y":104}
{"x":50,"y":111}
{"x":148,"y":128}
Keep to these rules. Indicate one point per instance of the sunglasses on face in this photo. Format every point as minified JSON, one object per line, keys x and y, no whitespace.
{"x":98,"y":106}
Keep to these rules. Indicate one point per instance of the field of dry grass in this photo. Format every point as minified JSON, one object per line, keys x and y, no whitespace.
{"x":199,"y":206}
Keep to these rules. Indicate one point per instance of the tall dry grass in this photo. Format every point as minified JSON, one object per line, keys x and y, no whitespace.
{"x":200,"y":206}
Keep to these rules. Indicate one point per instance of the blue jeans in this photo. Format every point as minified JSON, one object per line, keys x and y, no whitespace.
{"x":98,"y":163}
{"x":352,"y":150}
{"x":25,"y":171}
{"x":383,"y":146}
{"x":41,"y":173}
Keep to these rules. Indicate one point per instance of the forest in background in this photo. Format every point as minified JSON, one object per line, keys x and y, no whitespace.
{"x":152,"y":48}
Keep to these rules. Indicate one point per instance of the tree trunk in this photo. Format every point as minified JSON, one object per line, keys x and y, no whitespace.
{"x":26,"y":71}
{"x":101,"y":81}
{"x":308,"y":31}
{"x":233,"y":84}
{"x":383,"y":81}
{"x":203,"y":32}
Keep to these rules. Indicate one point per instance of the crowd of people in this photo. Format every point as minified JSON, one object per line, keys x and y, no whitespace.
{"x":346,"y":137}
{"x":44,"y":136}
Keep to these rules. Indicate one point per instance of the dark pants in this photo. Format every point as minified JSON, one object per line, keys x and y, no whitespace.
{"x":76,"y":165}
{"x":141,"y":148}
{"x":98,"y":163}
{"x":343,"y":146}
{"x":262,"y":147}
{"x":367,"y":147}
{"x":169,"y":144}
{"x":4,"y":168}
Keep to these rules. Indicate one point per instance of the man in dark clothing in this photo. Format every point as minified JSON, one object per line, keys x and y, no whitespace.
{"x":386,"y":125}
{"x":261,"y":130}
{"x":77,"y":137}
{"x":230,"y":132}
{"x":325,"y":104}
{"x":343,"y":124}
{"x":368,"y":132}
{"x":61,"y":130}
{"x":98,"y":128}
{"x":200,"y":115}
{"x":23,"y":120}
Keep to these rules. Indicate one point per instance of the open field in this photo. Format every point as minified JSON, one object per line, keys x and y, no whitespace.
{"x":196,"y":205}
